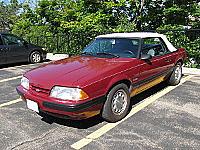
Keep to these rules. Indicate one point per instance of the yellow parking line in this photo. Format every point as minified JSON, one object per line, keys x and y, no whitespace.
{"x":9,"y":79}
{"x":10,"y":102}
{"x":96,"y":134}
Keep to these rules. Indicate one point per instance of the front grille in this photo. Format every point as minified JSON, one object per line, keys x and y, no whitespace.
{"x":40,"y":90}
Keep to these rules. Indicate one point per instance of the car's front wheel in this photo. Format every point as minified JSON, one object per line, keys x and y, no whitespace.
{"x":117,"y":103}
{"x":176,"y":75}
{"x":35,"y":57}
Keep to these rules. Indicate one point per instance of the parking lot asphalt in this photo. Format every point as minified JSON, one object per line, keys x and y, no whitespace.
{"x":170,"y":121}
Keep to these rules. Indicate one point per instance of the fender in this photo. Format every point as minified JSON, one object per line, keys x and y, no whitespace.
{"x":182,"y":54}
{"x":114,"y":80}
{"x":179,"y":57}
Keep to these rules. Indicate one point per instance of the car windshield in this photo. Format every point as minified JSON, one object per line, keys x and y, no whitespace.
{"x":113,"y":47}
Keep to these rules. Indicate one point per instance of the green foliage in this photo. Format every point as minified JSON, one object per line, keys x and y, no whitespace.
{"x":175,"y":15}
{"x":8,"y":14}
{"x":193,"y":49}
{"x":195,"y":16}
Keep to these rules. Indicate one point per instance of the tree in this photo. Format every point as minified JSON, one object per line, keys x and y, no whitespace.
{"x":9,"y":14}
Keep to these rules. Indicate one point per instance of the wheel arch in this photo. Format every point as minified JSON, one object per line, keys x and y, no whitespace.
{"x":106,"y":111}
{"x":179,"y":60}
{"x":116,"y":82}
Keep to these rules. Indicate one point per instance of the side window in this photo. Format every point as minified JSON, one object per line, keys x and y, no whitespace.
{"x":154,"y":47}
{"x":12,"y":40}
{"x":126,"y":46}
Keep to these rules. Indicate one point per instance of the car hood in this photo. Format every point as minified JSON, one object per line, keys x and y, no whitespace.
{"x":73,"y":71}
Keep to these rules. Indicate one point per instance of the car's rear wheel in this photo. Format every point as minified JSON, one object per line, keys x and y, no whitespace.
{"x":176,"y":75}
{"x":117,"y":103}
{"x":35,"y":57}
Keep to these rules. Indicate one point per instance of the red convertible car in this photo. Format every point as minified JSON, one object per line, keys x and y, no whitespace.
{"x":102,"y":80}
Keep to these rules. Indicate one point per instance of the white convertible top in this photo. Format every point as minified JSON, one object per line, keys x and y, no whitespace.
{"x":140,"y":35}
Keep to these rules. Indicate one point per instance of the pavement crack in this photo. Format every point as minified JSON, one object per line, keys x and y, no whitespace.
{"x":33,"y":140}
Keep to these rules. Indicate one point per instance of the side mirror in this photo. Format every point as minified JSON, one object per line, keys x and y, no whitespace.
{"x":145,"y":57}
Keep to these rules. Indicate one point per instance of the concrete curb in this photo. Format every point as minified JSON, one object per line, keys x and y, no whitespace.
{"x":52,"y":56}
{"x":192,"y":71}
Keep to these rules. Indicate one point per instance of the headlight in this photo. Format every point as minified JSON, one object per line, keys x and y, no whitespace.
{"x":66,"y":93}
{"x":25,"y":83}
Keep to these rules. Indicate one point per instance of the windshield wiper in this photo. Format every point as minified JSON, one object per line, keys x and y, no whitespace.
{"x":87,"y":53}
{"x":110,"y":54}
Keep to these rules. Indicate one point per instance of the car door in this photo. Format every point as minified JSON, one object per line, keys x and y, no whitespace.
{"x":17,"y":51}
{"x":159,"y":65}
{"x":3,"y":49}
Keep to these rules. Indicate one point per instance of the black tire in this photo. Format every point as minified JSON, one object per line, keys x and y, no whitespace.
{"x":176,"y":75}
{"x":109,"y":111}
{"x":35,"y":57}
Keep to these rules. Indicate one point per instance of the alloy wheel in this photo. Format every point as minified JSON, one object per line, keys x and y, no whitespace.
{"x":178,"y":73}
{"x":36,"y":57}
{"x":119,"y":102}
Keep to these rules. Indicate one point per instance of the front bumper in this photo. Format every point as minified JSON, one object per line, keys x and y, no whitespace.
{"x":73,"y":111}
